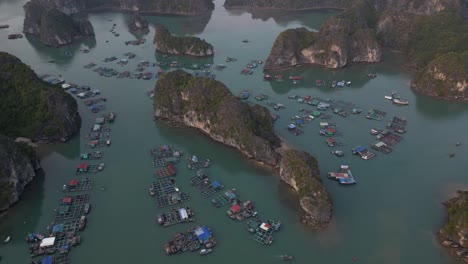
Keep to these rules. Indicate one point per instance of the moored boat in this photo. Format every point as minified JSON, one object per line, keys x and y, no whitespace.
{"x":286,"y":257}
{"x":205,"y":251}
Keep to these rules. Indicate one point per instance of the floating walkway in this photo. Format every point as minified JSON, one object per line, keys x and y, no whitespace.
{"x":204,"y":184}
{"x":226,"y":198}
{"x":397,"y":124}
{"x":376,"y":114}
{"x":175,"y":216}
{"x":74,"y":185}
{"x":167,"y":194}
{"x":263,"y":232}
{"x":194,"y":163}
{"x":72,"y":207}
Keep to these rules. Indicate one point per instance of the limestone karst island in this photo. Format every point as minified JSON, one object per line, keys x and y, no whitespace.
{"x":232,"y":131}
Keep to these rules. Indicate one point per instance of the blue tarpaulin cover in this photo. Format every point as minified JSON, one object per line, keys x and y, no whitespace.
{"x":291,"y":126}
{"x":359,"y":148}
{"x":216,"y":184}
{"x":46,"y":260}
{"x":57,"y":228}
{"x":203,"y":233}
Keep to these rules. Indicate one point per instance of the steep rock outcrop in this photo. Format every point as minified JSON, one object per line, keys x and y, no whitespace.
{"x":209,"y":106}
{"x":164,"y":42}
{"x":300,"y":171}
{"x":343,"y":39}
{"x":53,"y":27}
{"x":18,"y":166}
{"x":174,"y":7}
{"x":138,"y":24}
{"x":445,"y":77}
{"x":288,"y":5}
{"x":32,"y":108}
{"x":454,"y":234}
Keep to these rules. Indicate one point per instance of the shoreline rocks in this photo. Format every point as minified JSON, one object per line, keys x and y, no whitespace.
{"x":454,"y":233}
{"x":138,"y":24}
{"x":166,"y":43}
{"x":209,"y":106}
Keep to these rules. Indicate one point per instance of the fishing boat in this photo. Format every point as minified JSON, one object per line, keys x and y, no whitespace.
{"x":333,"y":85}
{"x":244,"y":94}
{"x":205,"y":251}
{"x":338,"y":153}
{"x":151,"y":191}
{"x":400,"y":101}
{"x":7,"y":239}
{"x":286,"y":257}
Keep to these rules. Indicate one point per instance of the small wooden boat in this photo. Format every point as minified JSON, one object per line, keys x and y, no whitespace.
{"x":7,"y":239}
{"x":287,"y":257}
{"x":400,"y":101}
{"x":244,"y":94}
{"x":205,"y":251}
{"x":338,"y":153}
{"x":151,"y":191}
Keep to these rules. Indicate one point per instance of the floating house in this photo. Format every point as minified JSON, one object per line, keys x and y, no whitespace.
{"x":344,"y":175}
{"x":363,"y":152}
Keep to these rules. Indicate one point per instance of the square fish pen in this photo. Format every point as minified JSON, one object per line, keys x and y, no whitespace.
{"x":84,"y":184}
{"x":167,"y":194}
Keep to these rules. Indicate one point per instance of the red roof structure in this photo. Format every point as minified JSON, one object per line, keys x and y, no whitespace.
{"x":82,"y":166}
{"x":67,"y":200}
{"x":73,"y":183}
{"x":235,"y":208}
{"x":172,"y":169}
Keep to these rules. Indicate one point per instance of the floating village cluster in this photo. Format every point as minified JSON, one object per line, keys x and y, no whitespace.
{"x":166,"y":194}
{"x":70,"y":216}
{"x":324,"y":110}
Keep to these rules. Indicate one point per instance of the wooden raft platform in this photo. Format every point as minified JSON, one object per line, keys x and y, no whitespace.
{"x":168,"y":171}
{"x":226,"y":197}
{"x":84,"y":184}
{"x":166,"y":193}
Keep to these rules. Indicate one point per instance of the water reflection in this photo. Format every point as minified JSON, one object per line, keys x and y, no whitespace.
{"x":189,"y":25}
{"x":70,"y":150}
{"x":63,"y":55}
{"x":283,"y":18}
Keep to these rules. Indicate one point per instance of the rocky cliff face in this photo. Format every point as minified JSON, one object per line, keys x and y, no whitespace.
{"x":54,"y":27}
{"x":300,"y":171}
{"x":344,"y":39}
{"x":288,"y":5}
{"x":427,"y":31}
{"x":32,"y":108}
{"x":164,"y":42}
{"x":175,"y":7}
{"x":445,"y":77}
{"x":18,"y":166}
{"x":208,"y":105}
{"x":138,"y":24}
{"x":454,"y":234}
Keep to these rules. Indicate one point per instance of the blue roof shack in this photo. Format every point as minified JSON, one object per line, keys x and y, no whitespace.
{"x":203,"y":234}
{"x":359,"y":149}
{"x":216,"y":184}
{"x":47,"y":260}
{"x":299,"y":122}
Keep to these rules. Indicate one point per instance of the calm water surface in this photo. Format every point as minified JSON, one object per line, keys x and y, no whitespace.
{"x":391,"y":216}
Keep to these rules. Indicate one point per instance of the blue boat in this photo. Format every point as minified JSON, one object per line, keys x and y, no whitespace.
{"x":244,"y":94}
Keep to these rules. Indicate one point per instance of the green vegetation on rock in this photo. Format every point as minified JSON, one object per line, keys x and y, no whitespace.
{"x":165,"y":42}
{"x":32,"y":108}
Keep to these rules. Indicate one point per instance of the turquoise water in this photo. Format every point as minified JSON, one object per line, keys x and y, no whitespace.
{"x":390,"y":216}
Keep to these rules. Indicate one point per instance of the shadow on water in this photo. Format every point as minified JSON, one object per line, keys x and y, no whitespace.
{"x":436,"y":109}
{"x":69,"y":150}
{"x":197,"y":143}
{"x":60,"y":55}
{"x":27,"y":211}
{"x":189,"y":25}
{"x":186,"y":62}
{"x":282,"y":17}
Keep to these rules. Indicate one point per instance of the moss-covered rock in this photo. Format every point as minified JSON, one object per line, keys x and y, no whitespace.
{"x":165,"y":42}
{"x":18,"y":165}
{"x":454,"y":234}
{"x":300,"y":170}
{"x":208,"y":105}
{"x":138,"y":25}
{"x":32,"y":108}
